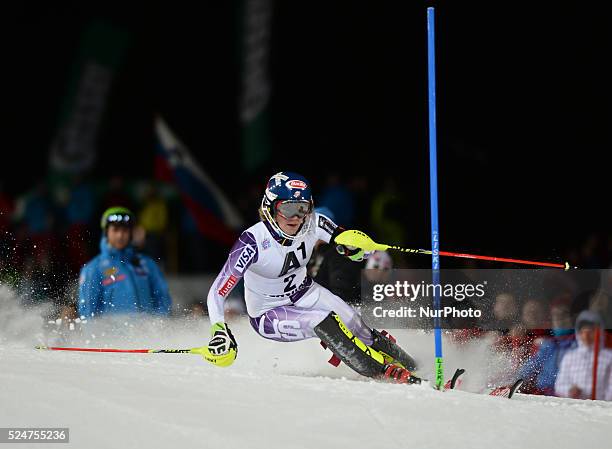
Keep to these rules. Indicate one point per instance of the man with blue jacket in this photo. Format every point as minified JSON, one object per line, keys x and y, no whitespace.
{"x":119,"y":279}
{"x":541,"y":370}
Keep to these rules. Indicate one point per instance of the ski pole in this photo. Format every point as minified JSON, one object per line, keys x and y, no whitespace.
{"x":222,"y":360}
{"x":361,"y":240}
{"x":133,"y":351}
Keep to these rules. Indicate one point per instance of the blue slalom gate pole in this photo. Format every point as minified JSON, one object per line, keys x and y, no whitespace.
{"x":433,"y":188}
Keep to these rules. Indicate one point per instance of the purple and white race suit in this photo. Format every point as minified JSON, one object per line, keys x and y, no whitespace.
{"x":283,"y":303}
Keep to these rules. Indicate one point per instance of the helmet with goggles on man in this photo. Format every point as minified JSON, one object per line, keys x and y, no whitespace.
{"x":117,"y":224}
{"x":117,"y":215}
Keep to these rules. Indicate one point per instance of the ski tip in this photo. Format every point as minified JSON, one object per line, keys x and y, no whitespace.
{"x":454,"y":381}
{"x":515,"y":387}
{"x":507,"y":391}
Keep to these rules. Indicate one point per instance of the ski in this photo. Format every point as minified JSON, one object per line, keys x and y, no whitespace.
{"x":451,"y":383}
{"x":507,"y":391}
{"x":454,"y":381}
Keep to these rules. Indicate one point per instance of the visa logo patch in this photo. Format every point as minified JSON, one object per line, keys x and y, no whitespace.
{"x":247,"y":254}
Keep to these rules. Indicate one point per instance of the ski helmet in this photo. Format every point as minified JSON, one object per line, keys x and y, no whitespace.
{"x":287,"y":194}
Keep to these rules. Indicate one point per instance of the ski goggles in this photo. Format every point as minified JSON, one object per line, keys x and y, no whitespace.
{"x":290,"y":209}
{"x":119,"y":219}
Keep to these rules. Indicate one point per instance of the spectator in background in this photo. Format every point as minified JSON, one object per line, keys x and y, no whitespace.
{"x":540,"y":371}
{"x":575,"y":379}
{"x":596,"y":300}
{"x":119,"y":279}
{"x":505,"y":311}
{"x":534,"y":318}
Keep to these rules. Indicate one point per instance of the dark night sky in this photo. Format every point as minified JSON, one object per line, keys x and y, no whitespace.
{"x":524,"y":105}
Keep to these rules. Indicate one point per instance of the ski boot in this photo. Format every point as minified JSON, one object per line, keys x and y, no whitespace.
{"x":399,"y":375}
{"x":393,"y":354}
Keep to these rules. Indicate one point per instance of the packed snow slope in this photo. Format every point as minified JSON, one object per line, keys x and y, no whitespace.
{"x":276,"y":395}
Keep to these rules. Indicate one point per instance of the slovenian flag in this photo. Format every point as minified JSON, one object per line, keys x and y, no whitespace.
{"x":214,"y":215}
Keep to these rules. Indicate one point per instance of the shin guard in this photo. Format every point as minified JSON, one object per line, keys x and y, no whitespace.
{"x":348,"y":348}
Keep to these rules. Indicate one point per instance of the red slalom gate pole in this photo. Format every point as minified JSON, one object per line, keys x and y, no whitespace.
{"x":595,"y":363}
{"x":359,"y":239}
{"x":565,"y":265}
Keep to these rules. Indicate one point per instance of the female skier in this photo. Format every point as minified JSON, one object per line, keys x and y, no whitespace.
{"x":283,"y":303}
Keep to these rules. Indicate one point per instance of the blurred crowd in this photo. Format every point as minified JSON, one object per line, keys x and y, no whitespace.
{"x":550,"y":340}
